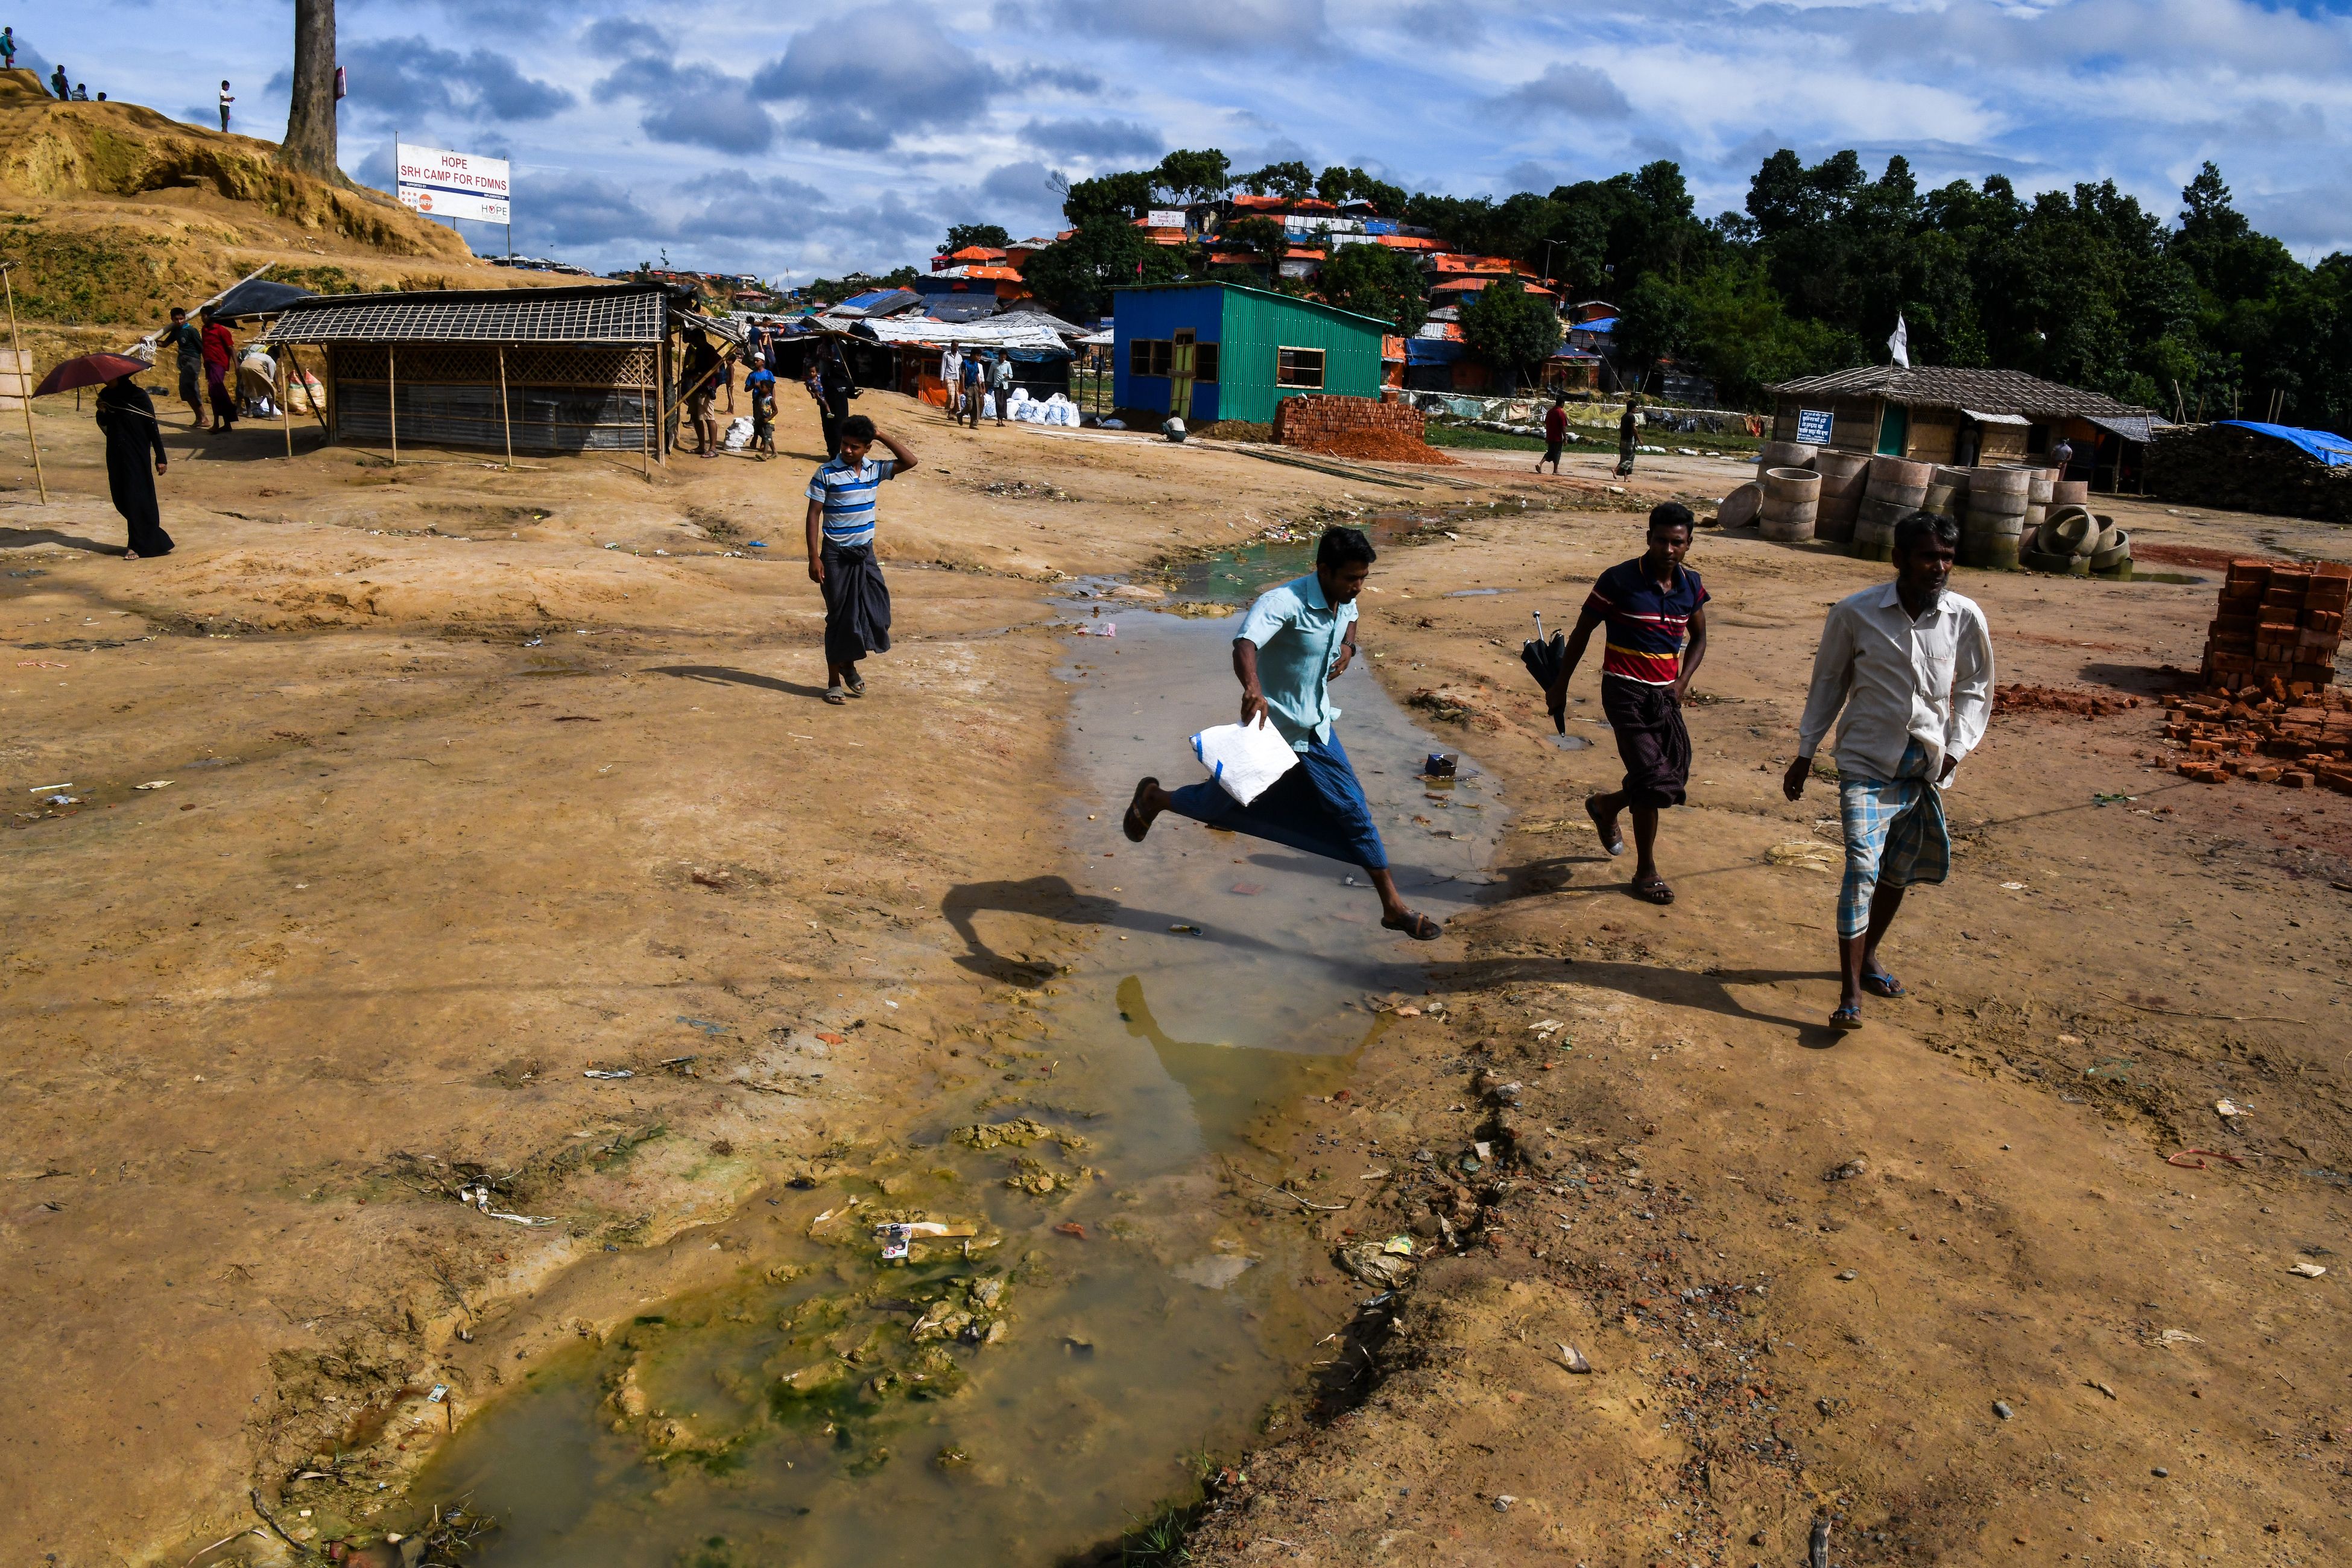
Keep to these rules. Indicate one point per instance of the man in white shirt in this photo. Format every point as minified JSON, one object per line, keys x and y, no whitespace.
{"x":1910,"y":666}
{"x":952,"y":376}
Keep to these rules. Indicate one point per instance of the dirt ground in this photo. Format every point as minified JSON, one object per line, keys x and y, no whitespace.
{"x":472,"y":782}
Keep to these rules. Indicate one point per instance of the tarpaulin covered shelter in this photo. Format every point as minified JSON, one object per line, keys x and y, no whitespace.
{"x":1939,"y":414}
{"x":1040,"y":353}
{"x":534,"y":370}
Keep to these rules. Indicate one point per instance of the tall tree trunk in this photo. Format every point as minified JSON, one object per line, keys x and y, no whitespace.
{"x":310,"y":142}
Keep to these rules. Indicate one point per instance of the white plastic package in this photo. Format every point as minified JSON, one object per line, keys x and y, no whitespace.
{"x":1245,"y":760}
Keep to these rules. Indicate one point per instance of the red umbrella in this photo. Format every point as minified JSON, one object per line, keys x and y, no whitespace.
{"x":91,"y":370}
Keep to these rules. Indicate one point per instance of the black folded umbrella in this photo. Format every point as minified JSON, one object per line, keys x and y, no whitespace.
{"x":1543,"y":657}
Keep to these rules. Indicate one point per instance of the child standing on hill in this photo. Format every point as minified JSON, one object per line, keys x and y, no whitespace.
{"x":841,"y":554}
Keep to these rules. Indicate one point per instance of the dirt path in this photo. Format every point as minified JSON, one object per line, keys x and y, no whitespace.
{"x":462,"y":804}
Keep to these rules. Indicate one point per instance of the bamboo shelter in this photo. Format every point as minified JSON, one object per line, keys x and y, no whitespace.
{"x":518,"y":370}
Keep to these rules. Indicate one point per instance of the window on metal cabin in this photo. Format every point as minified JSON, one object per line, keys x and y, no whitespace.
{"x":1204,"y":362}
{"x":1150,"y":356}
{"x":1299,"y":367}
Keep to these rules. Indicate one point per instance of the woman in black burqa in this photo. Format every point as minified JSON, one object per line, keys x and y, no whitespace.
{"x":133,"y":441}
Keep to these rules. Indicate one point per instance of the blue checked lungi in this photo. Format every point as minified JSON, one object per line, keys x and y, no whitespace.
{"x":1895,"y":834}
{"x":1318,"y":808}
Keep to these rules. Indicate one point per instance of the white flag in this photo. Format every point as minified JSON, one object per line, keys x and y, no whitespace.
{"x":1899,"y":345}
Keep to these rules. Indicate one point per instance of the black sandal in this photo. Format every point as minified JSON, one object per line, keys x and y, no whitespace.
{"x":1134,"y":825}
{"x":1652,"y":890}
{"x":1414,"y":924}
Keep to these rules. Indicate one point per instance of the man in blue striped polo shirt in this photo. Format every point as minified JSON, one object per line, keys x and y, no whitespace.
{"x":841,"y":554}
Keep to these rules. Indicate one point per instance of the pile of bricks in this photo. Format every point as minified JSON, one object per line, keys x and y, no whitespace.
{"x":2271,"y":712}
{"x":2292,"y":735}
{"x":2278,"y":624}
{"x":1355,"y":427}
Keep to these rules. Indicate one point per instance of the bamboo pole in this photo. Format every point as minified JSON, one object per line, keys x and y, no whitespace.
{"x":25,"y":371}
{"x":285,"y":403}
{"x":506,"y":416}
{"x":646,"y":417}
{"x":391,"y":397}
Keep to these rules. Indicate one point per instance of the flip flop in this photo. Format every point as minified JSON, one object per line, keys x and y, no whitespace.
{"x":1414,"y":924}
{"x":1611,"y":839}
{"x":1652,"y":892}
{"x":836,"y":696}
{"x":1133,"y":824}
{"x":1847,"y":1019}
{"x":857,"y":686}
{"x":1878,"y":983}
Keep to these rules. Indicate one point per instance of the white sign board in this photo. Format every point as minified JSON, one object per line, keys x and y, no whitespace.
{"x":1813,"y":426}
{"x":441,"y":183}
{"x":1165,"y":217}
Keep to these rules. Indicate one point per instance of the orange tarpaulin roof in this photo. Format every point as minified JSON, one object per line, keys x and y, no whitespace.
{"x":1472,"y":285}
{"x":1411,"y":242}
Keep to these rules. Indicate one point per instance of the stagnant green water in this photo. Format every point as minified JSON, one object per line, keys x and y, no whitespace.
{"x":1032,"y":1390}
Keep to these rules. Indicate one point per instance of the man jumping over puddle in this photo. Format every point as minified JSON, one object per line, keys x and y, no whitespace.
{"x":1910,"y":666}
{"x":1651,"y":605}
{"x":1295,"y":641}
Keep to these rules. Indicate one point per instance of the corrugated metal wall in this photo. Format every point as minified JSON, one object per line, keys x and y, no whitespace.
{"x":1257,"y":326}
{"x":1160,"y":313}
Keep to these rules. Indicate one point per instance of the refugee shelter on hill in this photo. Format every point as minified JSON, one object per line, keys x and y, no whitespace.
{"x":1935,"y":414}
{"x":528,"y":370}
{"x":1207,"y":352}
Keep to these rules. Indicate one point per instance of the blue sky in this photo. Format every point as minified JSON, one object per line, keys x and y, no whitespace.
{"x":814,"y":137}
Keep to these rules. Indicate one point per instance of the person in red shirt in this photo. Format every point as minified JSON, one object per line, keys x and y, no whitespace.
{"x":220,"y":355}
{"x":1655,"y":610}
{"x":1555,"y":433}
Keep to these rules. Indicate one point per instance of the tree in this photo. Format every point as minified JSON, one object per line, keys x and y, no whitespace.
{"x":1076,"y":276}
{"x":1374,"y":280}
{"x":1261,"y":237}
{"x":309,"y":143}
{"x":987,"y":235}
{"x":1509,"y":328}
{"x":1292,"y":181}
{"x":1190,"y":176}
{"x":1127,"y":195}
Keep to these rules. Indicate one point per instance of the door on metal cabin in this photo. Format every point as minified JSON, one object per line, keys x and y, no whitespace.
{"x":1179,"y":375}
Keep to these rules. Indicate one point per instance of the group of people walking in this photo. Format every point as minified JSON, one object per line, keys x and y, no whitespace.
{"x":1903,"y":673}
{"x":974,"y":381}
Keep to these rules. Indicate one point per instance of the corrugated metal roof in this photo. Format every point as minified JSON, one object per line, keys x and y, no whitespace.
{"x":615,"y":313}
{"x":997,"y":332}
{"x":1945,"y":386}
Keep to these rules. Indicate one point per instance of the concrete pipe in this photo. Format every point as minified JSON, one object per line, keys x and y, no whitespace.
{"x":1791,"y":485}
{"x":1737,"y":509}
{"x":1788,"y":523}
{"x":2065,"y":491}
{"x":1786,"y":455}
{"x":1990,"y":540}
{"x":1900,"y":473}
{"x":1986,"y":482}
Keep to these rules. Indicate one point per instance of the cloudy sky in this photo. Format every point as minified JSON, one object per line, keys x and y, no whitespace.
{"x":812,"y":137}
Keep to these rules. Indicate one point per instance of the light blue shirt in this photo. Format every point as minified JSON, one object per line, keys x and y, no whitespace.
{"x":848,"y":497}
{"x":1298,"y":635}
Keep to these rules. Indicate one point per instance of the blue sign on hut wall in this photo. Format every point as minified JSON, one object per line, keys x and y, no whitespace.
{"x":1813,"y":426}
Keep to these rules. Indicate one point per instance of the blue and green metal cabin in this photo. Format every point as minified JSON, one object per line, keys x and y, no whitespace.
{"x":1247,"y":348}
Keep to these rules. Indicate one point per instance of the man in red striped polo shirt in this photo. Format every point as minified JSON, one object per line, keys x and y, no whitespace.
{"x":1655,"y":610}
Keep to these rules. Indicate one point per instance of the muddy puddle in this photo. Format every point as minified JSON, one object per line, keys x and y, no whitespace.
{"x":1087,"y":1312}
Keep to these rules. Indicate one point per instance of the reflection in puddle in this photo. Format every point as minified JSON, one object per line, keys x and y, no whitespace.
{"x":1033,"y":1382}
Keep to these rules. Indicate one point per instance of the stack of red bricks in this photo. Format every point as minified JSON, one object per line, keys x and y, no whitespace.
{"x":2278,"y":622}
{"x":2272,"y":712}
{"x":1306,"y":422}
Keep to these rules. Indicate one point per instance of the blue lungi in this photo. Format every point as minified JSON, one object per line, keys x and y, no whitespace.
{"x":1317,"y":808}
{"x":1895,"y":835}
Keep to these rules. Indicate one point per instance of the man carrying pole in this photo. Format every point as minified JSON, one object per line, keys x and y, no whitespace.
{"x":1295,"y":641}
{"x":1909,"y":664}
{"x":1652,"y":606}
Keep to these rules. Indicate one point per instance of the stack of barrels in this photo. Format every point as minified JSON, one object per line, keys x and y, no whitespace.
{"x":1843,"y":475}
{"x":1947,"y":492}
{"x":1790,"y":498}
{"x":1897,"y":489}
{"x":1998,"y":499}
